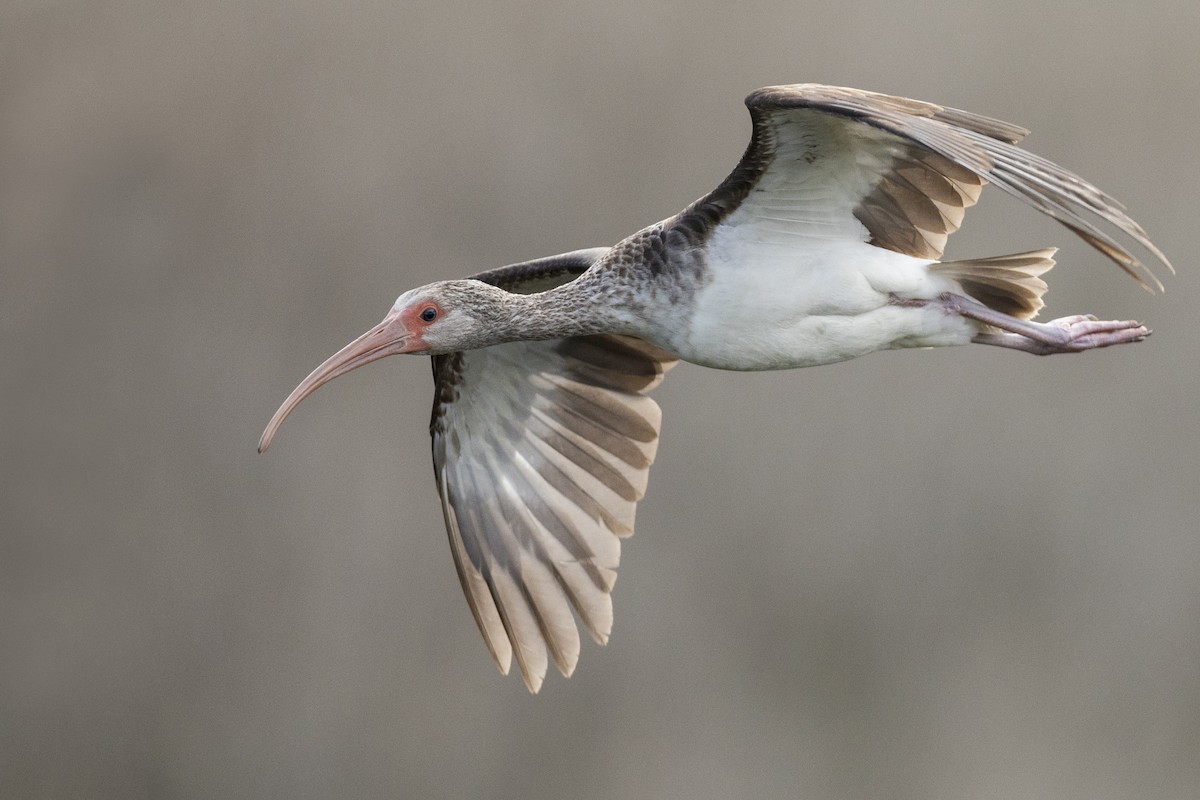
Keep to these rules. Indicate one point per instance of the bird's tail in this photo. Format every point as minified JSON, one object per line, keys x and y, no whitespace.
{"x":1009,"y":284}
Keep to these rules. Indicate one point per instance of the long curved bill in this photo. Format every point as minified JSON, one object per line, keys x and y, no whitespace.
{"x":389,"y":337}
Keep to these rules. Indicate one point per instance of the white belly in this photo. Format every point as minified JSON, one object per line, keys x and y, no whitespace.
{"x":810,"y":306}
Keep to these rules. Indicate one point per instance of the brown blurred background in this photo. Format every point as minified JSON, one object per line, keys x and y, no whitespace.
{"x":945,"y":574}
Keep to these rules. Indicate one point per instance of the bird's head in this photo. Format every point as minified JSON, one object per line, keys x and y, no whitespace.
{"x":448,"y":316}
{"x":441,"y":317}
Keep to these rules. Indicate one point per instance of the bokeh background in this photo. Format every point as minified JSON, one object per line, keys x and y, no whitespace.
{"x":938,"y":574}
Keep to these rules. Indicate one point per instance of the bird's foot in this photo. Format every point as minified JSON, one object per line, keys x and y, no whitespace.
{"x":1084,"y":332}
{"x":1073,"y":334}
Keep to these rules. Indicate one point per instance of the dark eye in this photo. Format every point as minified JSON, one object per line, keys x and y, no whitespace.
{"x":429,"y":314}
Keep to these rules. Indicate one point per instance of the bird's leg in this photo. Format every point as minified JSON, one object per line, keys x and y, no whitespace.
{"x":1072,"y":334}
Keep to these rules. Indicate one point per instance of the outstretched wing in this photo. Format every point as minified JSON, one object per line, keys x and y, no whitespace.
{"x":834,"y":163}
{"x":541,"y":451}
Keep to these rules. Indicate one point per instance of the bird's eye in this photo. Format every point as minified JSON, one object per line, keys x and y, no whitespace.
{"x":429,"y":313}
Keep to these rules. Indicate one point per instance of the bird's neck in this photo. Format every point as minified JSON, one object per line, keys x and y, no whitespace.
{"x":581,"y":308}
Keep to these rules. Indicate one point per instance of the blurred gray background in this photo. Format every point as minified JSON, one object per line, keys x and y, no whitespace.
{"x":939,"y":574}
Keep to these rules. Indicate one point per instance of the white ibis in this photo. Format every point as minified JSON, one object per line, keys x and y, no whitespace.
{"x":822,"y":245}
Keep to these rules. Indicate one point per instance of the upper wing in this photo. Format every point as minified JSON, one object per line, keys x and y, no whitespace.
{"x":541,"y":451}
{"x":830,"y":162}
{"x":540,"y":274}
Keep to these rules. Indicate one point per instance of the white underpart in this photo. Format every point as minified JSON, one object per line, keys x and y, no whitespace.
{"x":816,"y":306}
{"x":793,"y":282}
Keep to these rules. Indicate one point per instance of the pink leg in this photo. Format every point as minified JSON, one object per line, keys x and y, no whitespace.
{"x":1072,"y":334}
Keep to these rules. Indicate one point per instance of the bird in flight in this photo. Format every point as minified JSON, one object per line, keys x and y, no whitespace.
{"x":823,"y":244}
